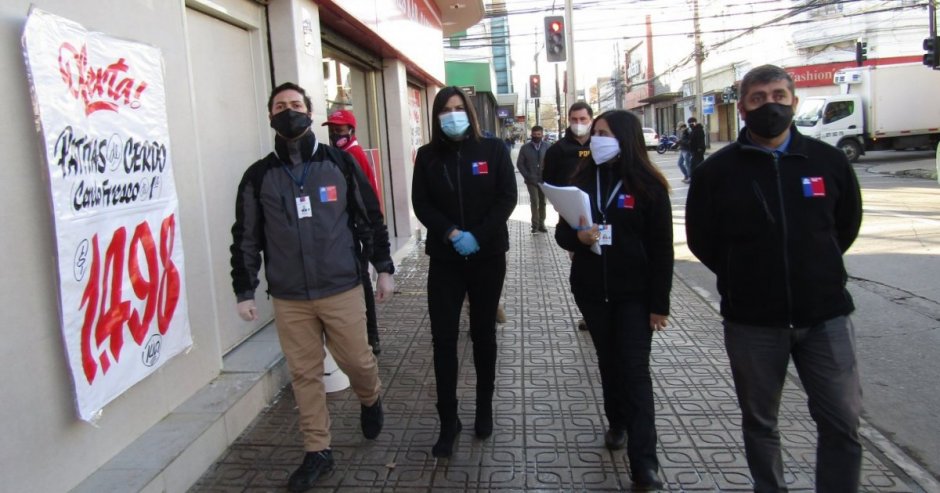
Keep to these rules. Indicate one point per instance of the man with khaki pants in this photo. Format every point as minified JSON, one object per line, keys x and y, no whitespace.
{"x":312,"y":213}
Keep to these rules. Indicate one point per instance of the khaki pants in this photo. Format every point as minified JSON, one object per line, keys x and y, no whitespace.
{"x":302,"y":327}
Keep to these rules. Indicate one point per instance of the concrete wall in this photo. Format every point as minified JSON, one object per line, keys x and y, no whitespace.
{"x":45,"y":447}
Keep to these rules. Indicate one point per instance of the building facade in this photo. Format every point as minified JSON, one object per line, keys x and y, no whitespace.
{"x":383,"y":60}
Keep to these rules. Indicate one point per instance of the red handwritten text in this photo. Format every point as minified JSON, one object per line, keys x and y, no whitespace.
{"x":99,"y":88}
{"x":156,"y":283}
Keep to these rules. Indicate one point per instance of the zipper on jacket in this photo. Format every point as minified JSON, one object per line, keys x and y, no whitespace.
{"x":786,"y":248}
{"x":763,"y":202}
{"x":460,"y":193}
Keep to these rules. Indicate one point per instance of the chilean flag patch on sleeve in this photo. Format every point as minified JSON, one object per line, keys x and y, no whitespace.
{"x":814,"y":186}
{"x":481,"y":168}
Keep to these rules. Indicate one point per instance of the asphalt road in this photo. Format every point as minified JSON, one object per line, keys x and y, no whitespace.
{"x":894,"y":270}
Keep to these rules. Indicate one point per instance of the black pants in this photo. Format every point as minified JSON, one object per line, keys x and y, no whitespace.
{"x":622,"y":338}
{"x":824,"y":356}
{"x":448,"y":283}
{"x":372,"y":322}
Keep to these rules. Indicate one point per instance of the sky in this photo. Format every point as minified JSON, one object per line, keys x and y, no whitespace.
{"x":604,"y":29}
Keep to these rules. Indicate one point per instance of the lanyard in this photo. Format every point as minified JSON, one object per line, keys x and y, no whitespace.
{"x":303,"y":177}
{"x":613,"y":192}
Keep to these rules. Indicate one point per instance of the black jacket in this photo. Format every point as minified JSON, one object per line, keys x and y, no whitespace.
{"x":308,"y":258}
{"x":562,"y":159}
{"x":773,"y":230}
{"x":638,"y":265}
{"x":469,"y":185}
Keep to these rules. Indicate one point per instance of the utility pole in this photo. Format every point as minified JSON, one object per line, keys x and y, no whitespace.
{"x":618,"y":83}
{"x":536,"y":58}
{"x":569,"y":32}
{"x":557,"y":100}
{"x":699,"y":57}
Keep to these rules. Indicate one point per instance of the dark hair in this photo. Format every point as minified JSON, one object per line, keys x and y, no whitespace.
{"x":287,"y":86}
{"x":437,"y":135}
{"x":639,"y":175}
{"x":581,"y":105}
{"x":765,"y":74}
{"x":537,"y":128}
{"x":692,"y":120}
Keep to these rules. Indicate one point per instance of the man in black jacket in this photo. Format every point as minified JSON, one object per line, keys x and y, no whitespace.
{"x":308,"y":208}
{"x":563,"y":156}
{"x":771,"y":215}
{"x":696,"y":143}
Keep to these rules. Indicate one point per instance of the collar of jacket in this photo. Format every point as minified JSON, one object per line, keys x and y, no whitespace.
{"x":307,"y":143}
{"x":797,"y":145}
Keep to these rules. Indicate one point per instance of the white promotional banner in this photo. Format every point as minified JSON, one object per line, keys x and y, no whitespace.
{"x":100,"y":106}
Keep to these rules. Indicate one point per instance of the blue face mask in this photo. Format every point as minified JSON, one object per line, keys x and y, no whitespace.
{"x":455,"y":123}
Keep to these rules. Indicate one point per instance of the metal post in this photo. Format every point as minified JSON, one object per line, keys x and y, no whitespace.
{"x":699,"y":57}
{"x":557,"y":100}
{"x":571,"y":90}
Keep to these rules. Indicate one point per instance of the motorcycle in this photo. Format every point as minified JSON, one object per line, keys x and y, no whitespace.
{"x":668,"y":143}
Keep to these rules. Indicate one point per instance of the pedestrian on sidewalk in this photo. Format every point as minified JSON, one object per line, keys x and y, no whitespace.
{"x":342,"y":127}
{"x":696,"y":144}
{"x":463,"y":190}
{"x":685,"y":154}
{"x":530,"y":162}
{"x":623,"y":292}
{"x":772,"y":215}
{"x":563,"y":156}
{"x":287,"y":208}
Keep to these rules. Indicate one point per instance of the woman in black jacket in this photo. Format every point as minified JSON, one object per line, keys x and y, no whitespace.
{"x":463,"y":191}
{"x":623,"y":292}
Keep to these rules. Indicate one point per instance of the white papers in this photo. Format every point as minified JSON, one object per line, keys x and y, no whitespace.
{"x":571,"y":203}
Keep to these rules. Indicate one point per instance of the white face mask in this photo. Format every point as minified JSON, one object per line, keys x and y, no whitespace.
{"x":604,"y":149}
{"x":580,"y":129}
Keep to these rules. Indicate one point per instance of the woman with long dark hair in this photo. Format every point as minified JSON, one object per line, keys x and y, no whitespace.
{"x":463,"y":191}
{"x":623,"y":293}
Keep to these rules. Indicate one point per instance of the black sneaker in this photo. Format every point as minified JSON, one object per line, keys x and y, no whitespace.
{"x":646,"y":480}
{"x":582,"y":325}
{"x":315,"y":465}
{"x":372,"y":418}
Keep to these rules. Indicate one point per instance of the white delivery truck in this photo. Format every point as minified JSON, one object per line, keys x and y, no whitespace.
{"x":880,"y":107}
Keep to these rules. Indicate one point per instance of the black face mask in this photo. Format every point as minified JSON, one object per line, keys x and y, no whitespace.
{"x":770,"y":120}
{"x":536,"y":139}
{"x":339,"y":140}
{"x":291,"y":124}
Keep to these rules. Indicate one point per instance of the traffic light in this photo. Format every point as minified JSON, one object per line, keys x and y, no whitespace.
{"x":861,"y":52}
{"x":535,"y":86}
{"x":932,"y":55}
{"x":555,"y":48}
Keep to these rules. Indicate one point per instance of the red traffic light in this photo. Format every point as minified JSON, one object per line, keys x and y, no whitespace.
{"x":555,"y":26}
{"x":535,"y":79}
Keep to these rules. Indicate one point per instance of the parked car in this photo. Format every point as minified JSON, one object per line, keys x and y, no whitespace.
{"x":651,"y":138}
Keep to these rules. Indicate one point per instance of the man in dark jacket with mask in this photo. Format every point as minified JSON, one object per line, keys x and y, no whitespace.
{"x":308,"y":208}
{"x":771,"y":215}
{"x":530,"y":162}
{"x":563,"y":156}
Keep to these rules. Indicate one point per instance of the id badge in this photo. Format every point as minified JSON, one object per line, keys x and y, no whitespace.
{"x":303,"y":207}
{"x":607,"y":234}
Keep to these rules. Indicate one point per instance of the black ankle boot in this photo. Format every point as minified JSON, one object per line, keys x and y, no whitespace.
{"x":445,"y":443}
{"x":483,"y":425}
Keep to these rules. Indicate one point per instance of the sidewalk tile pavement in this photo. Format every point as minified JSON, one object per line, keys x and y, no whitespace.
{"x":549,"y":424}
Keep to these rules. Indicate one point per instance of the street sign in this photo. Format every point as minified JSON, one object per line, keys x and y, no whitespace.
{"x":708,"y":100}
{"x":708,"y":109}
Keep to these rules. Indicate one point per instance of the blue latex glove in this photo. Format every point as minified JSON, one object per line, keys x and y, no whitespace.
{"x":465,"y":243}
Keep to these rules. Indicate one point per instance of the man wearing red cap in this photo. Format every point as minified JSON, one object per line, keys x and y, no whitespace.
{"x":342,"y":126}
